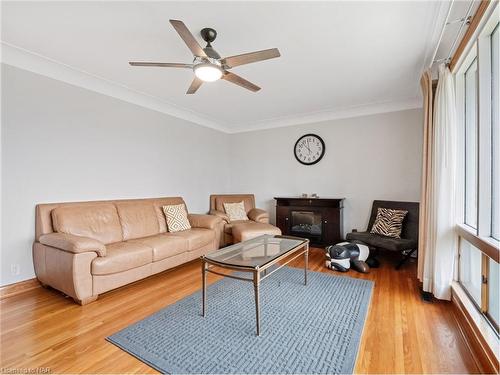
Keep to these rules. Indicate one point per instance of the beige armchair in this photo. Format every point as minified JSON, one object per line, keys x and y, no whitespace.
{"x":241,"y":230}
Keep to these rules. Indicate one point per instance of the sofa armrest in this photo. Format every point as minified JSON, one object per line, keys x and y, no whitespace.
{"x":73,"y":244}
{"x":204,"y":221}
{"x":256,"y":214}
{"x":220,"y":214}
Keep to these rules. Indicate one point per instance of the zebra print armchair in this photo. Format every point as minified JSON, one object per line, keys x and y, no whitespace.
{"x":407,"y":244}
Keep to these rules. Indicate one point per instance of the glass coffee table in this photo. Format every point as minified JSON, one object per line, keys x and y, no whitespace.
{"x":255,"y":256}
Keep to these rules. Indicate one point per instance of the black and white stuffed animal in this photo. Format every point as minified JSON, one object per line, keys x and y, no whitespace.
{"x":344,"y":255}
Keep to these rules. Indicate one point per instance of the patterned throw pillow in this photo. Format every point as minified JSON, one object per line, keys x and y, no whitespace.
{"x":389,"y":222}
{"x":176,"y":216}
{"x":235,"y":211}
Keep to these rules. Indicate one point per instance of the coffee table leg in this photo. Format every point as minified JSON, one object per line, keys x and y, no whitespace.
{"x":204,"y":286}
{"x":306,"y":263}
{"x":256,"y":285}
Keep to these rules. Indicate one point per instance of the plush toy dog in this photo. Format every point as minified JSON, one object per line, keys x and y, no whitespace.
{"x":344,"y":255}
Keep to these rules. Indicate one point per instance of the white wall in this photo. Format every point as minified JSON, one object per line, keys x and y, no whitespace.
{"x":367,"y":158}
{"x":64,"y":143}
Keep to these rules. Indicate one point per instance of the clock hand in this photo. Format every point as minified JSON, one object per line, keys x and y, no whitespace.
{"x":307,"y":146}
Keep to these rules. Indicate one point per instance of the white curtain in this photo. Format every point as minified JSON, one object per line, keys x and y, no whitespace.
{"x":439,"y":223}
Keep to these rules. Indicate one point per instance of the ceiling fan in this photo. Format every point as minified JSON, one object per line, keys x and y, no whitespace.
{"x":207,"y":65}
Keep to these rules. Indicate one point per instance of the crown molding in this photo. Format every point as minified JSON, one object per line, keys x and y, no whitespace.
{"x":329,"y":115}
{"x":33,"y":62}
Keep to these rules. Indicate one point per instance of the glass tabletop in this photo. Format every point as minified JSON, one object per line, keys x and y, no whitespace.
{"x":255,"y":252}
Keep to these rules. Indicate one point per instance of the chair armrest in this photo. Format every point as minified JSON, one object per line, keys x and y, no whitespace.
{"x":256,"y":214}
{"x":73,"y":244}
{"x":204,"y":221}
{"x":220,"y":214}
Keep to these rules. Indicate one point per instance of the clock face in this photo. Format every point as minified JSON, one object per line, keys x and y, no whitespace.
{"x":309,"y":149}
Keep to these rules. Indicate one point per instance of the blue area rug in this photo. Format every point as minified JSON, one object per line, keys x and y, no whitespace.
{"x":304,"y":329}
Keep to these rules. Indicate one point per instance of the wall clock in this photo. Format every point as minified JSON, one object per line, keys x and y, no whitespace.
{"x":309,"y":149}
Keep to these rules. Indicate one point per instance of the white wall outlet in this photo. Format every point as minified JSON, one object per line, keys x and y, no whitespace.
{"x":15,"y":269}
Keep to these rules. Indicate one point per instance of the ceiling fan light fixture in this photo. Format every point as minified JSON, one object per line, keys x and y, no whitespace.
{"x":207,"y":72}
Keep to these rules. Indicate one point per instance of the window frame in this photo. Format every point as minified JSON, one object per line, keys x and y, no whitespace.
{"x":473,"y":60}
{"x":492,"y":171}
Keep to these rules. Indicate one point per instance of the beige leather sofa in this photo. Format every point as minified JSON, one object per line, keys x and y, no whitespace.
{"x":87,"y":248}
{"x":241,"y":230}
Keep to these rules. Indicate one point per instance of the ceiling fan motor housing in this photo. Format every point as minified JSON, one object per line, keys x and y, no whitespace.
{"x":203,"y":60}
{"x":208,"y":34}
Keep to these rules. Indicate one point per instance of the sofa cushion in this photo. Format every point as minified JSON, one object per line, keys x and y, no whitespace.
{"x":248,"y":201}
{"x":122,"y":256}
{"x":196,"y":237}
{"x":383,"y":242}
{"x":410,"y":223}
{"x":251,"y":229}
{"x":228,"y":228}
{"x":98,"y":221}
{"x":138,"y":219}
{"x":158,"y":205}
{"x":164,"y":245}
{"x":256,"y":214}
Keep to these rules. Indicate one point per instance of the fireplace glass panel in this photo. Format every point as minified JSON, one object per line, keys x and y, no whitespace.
{"x":306,"y":224}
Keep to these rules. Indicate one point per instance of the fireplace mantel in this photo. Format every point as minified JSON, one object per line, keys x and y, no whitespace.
{"x":319,"y":219}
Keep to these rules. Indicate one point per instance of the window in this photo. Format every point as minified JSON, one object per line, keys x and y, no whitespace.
{"x":494,"y":267}
{"x":478,"y":98}
{"x":495,"y":135}
{"x":471,"y":130}
{"x":479,"y":276}
{"x":493,"y":295}
{"x":469,"y":270}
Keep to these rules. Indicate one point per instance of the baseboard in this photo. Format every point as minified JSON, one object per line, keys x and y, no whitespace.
{"x":475,"y":337}
{"x":17,"y":288}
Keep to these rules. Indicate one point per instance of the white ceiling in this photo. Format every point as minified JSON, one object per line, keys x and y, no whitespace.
{"x":338,"y":57}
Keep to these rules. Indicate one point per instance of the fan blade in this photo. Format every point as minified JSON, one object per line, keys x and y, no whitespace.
{"x":195,"y":85}
{"x":251,"y":57}
{"x":161,"y":65}
{"x":188,"y":38}
{"x":237,"y":80}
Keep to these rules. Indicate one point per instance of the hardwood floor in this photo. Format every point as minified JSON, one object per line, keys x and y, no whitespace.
{"x":42,"y":329}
